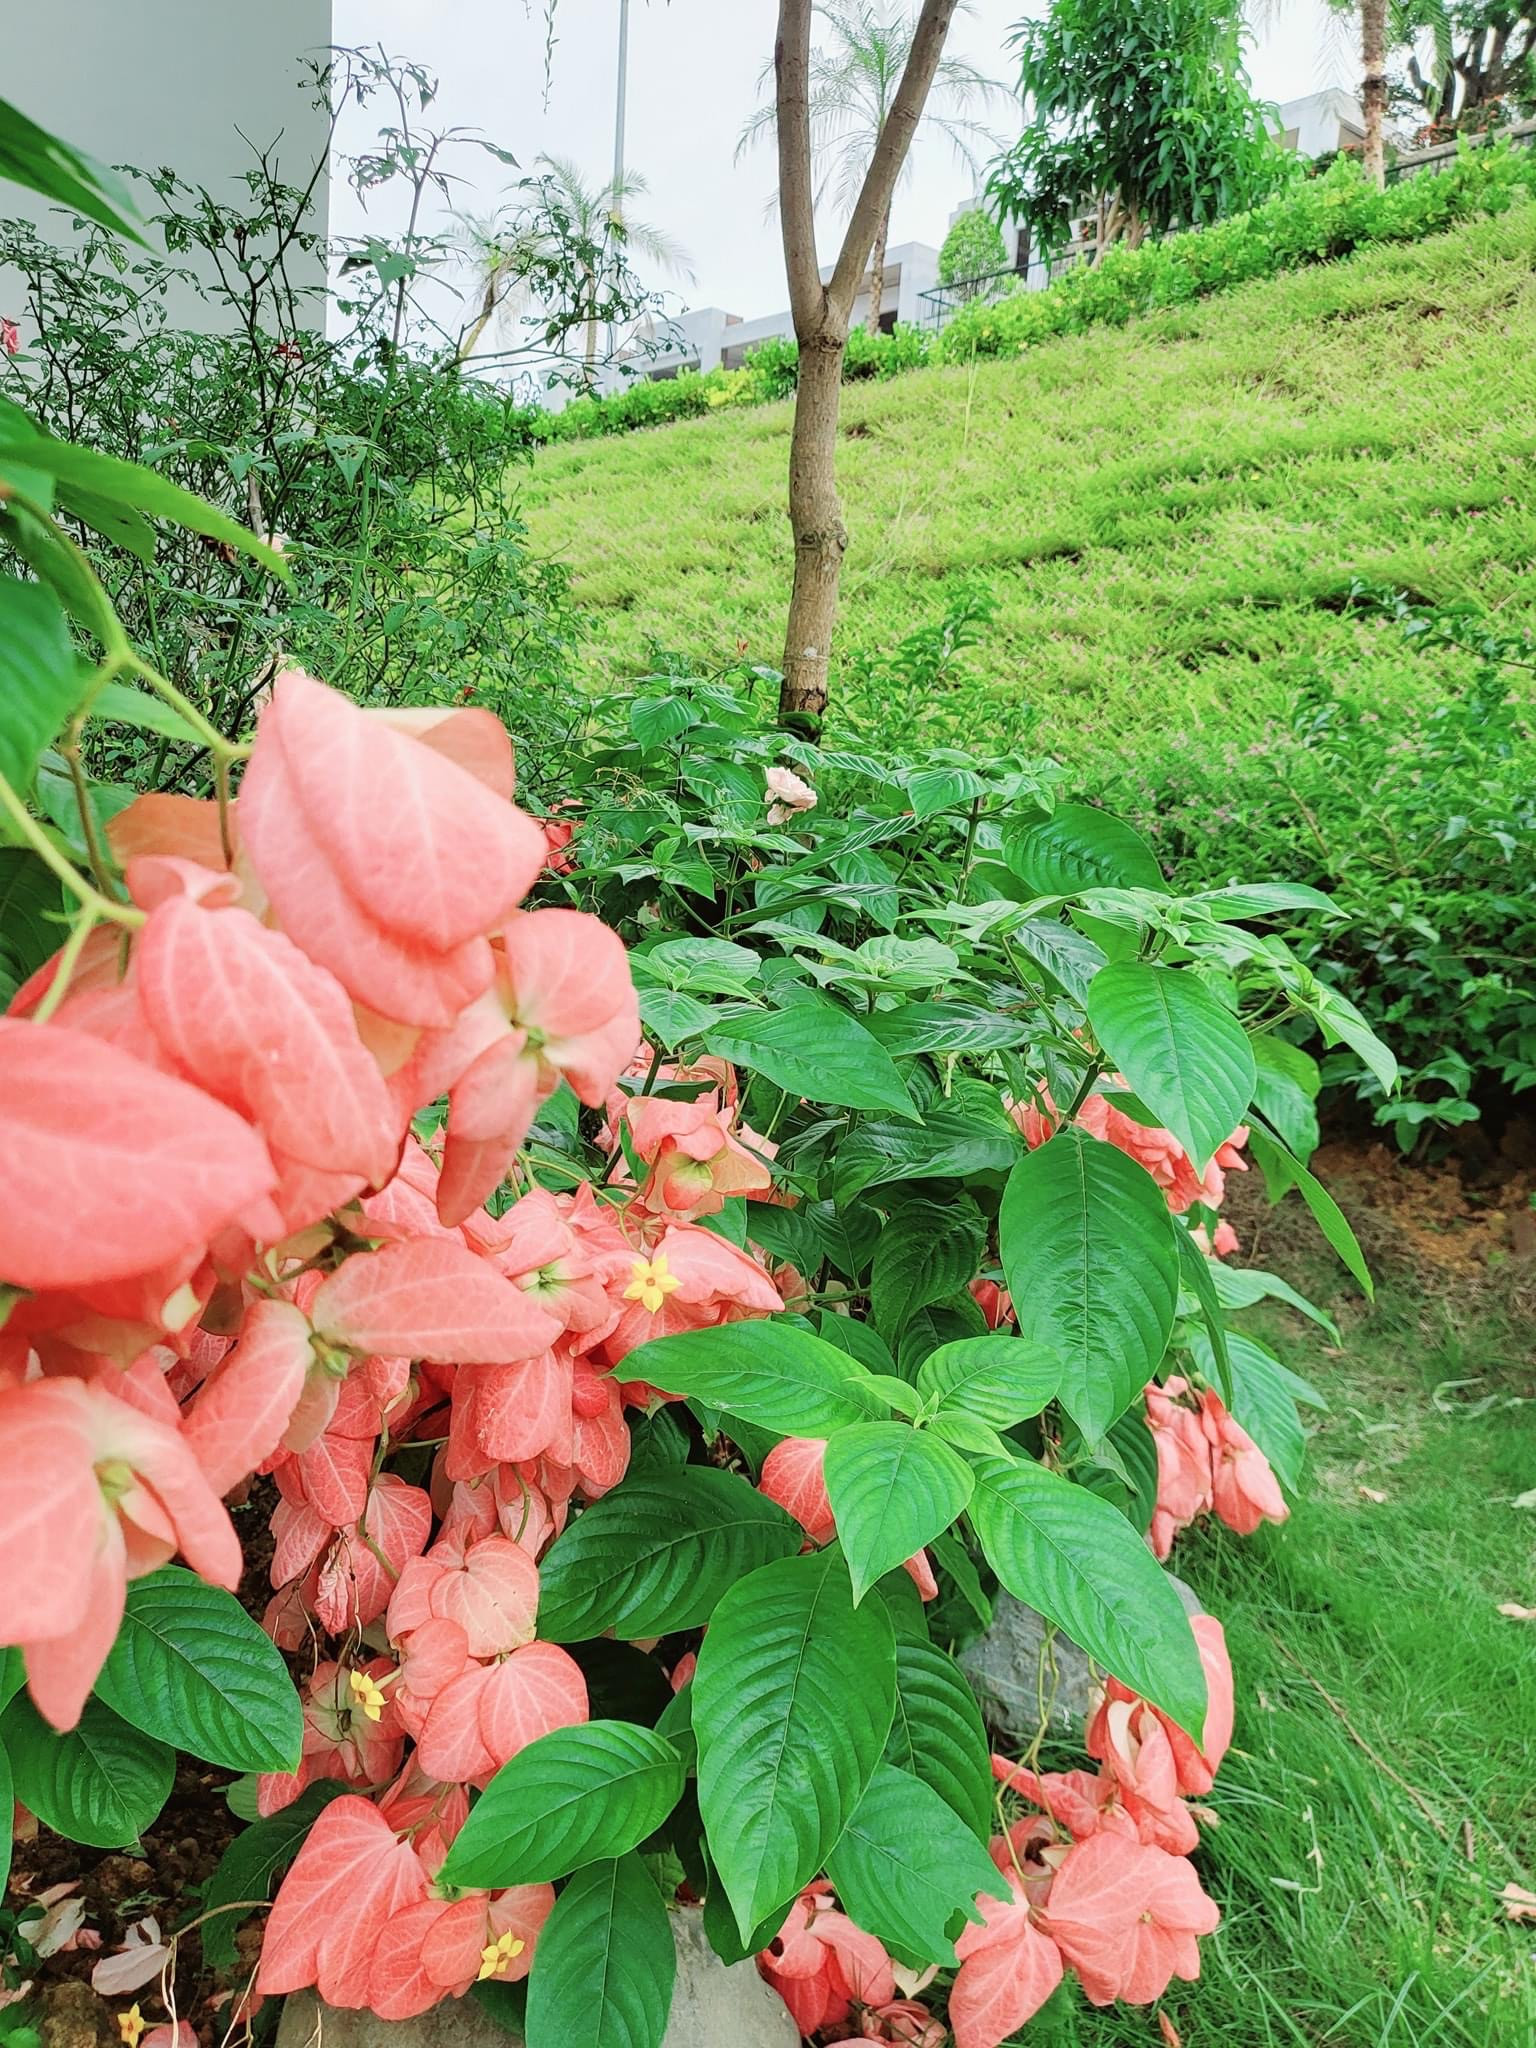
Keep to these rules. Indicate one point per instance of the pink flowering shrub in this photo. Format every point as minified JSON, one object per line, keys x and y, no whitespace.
{"x":628,"y":1334}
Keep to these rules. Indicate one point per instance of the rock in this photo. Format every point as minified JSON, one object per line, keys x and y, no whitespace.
{"x":1004,"y":1667}
{"x":713,"y":2004}
{"x":74,"y":2017}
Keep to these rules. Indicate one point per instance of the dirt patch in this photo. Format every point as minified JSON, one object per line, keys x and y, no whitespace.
{"x":1426,"y":1224}
{"x":117,"y":1888}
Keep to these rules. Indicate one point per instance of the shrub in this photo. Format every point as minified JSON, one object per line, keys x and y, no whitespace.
{"x":1421,"y":824}
{"x":1312,"y":221}
{"x":973,"y":248}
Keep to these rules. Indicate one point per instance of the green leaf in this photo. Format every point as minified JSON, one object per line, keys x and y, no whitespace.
{"x":945,"y":1027}
{"x":191,"y":1668}
{"x":40,"y":676}
{"x":766,"y":1372}
{"x":253,"y":1859}
{"x":576,"y":1796}
{"x":656,"y":1553}
{"x":1001,"y":1378}
{"x":1069,"y":957}
{"x":84,"y":470}
{"x":1078,"y":848}
{"x":143,"y":711}
{"x":1081,"y":1564}
{"x":892,"y":1489}
{"x":967,"y":1134}
{"x":931,"y":790}
{"x":31,"y":157}
{"x":937,"y":1733}
{"x":672,"y":1015}
{"x":1088,"y":1252}
{"x":655,"y":720}
{"x":926,"y":1251}
{"x":1239,"y":1287}
{"x":1342,"y":1021}
{"x":1282,"y":1170}
{"x":1197,"y":1271}
{"x":792,"y":1704}
{"x":1181,"y":1050}
{"x":1247,"y":900}
{"x":817,"y":1051}
{"x":102,"y":1783}
{"x":31,"y":917}
{"x":1285,"y":1088}
{"x":711,"y":967}
{"x":906,"y":1865}
{"x":7,"y":1805}
{"x":606,"y":1963}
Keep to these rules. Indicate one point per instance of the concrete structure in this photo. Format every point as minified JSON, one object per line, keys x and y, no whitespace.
{"x":169,"y":82}
{"x":1321,"y":123}
{"x":711,"y":338}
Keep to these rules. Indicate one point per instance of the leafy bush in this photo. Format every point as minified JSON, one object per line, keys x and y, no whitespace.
{"x":1421,"y":824}
{"x":1312,"y":221}
{"x":972,"y":249}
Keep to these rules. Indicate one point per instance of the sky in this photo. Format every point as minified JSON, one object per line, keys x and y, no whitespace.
{"x":693,"y":81}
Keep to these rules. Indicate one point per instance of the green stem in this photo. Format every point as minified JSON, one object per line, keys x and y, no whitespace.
{"x":64,"y":973}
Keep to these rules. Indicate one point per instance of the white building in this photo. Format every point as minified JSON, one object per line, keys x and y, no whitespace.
{"x":1321,"y":123}
{"x":710,"y":338}
{"x":169,"y":83}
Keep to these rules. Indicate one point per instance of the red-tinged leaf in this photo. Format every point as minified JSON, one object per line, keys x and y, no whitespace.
{"x":300,"y":1534}
{"x":335,"y":1472}
{"x":531,"y":1693}
{"x":248,"y":1017}
{"x":355,"y":1586}
{"x":110,"y":1168}
{"x":474,"y":739}
{"x":1008,"y":1969}
{"x":493,"y":1598}
{"x":434,"y":1300}
{"x":398,"y":1985}
{"x":237,"y":1419}
{"x":185,"y":827}
{"x":1126,"y":1916}
{"x":523,"y":1411}
{"x":405,"y":983}
{"x":349,"y":1879}
{"x":53,"y":1514}
{"x":422,"y":846}
{"x":450,"y":1746}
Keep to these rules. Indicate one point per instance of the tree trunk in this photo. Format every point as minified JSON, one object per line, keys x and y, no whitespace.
{"x":821,"y":539}
{"x":877,"y":271}
{"x":1373,"y":55}
{"x":821,"y":314}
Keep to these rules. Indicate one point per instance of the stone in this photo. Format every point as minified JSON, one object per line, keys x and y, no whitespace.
{"x":74,"y":2017}
{"x":1004,"y":1666}
{"x":713,"y":2004}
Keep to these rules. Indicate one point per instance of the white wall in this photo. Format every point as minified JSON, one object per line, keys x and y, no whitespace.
{"x":166,"y":82}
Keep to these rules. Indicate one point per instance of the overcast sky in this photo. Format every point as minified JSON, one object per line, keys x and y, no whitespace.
{"x":693,"y":80}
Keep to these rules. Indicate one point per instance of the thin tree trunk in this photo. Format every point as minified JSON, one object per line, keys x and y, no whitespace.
{"x":1373,"y":56}
{"x":877,"y":271}
{"x":821,"y":539}
{"x":821,"y":315}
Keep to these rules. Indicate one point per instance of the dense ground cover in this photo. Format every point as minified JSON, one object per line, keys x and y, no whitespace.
{"x":1367,"y":1631}
{"x":1169,"y":515}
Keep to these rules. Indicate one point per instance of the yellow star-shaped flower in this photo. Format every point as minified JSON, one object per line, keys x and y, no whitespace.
{"x":496,"y":1954}
{"x":652,"y":1283}
{"x":367,"y":1695}
{"x":131,"y":2025}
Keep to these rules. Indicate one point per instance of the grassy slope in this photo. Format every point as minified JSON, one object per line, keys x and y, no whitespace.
{"x":1168,"y":513}
{"x":1350,"y":1922}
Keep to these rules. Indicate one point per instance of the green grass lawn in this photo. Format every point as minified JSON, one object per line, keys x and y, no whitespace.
{"x":1169,"y":514}
{"x":1366,"y":1641}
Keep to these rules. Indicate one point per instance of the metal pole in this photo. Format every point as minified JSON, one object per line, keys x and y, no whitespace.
{"x":616,"y":196}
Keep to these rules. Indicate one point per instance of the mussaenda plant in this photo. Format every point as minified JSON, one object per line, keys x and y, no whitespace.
{"x":593,"y":1234}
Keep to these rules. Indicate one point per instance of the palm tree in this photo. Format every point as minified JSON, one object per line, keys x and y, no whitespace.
{"x":853,"y":82}
{"x":592,"y":222}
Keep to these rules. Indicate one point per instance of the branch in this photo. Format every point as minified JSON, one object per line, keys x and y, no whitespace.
{"x":891,"y":148}
{"x":797,"y":203}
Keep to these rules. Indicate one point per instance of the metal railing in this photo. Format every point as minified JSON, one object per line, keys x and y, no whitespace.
{"x":1411,"y":162}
